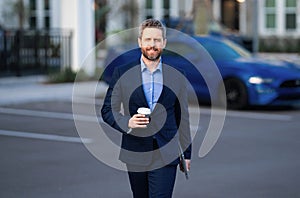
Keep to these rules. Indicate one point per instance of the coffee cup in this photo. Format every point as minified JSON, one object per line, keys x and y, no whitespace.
{"x":145,"y":111}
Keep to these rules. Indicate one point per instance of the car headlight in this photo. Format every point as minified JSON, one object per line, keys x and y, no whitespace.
{"x":259,"y":80}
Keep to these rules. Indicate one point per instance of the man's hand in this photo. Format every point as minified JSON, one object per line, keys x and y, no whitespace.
{"x":138,"y":121}
{"x":187,"y":164}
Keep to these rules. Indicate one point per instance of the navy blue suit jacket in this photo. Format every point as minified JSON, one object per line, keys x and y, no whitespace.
{"x":169,"y":123}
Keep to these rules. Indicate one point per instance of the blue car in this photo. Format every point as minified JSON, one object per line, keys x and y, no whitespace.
{"x":248,"y":80}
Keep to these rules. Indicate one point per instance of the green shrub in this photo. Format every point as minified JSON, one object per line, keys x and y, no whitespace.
{"x":68,"y":75}
{"x":278,"y":44}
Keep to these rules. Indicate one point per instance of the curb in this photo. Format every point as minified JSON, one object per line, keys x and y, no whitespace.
{"x":23,"y":91}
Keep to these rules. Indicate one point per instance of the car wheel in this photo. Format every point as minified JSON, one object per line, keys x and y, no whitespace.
{"x":236,"y":94}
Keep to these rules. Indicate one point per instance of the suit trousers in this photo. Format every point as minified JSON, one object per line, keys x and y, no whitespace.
{"x":157,"y":183}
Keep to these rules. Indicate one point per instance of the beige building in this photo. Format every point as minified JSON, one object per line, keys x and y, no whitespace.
{"x":278,"y":21}
{"x":76,"y":16}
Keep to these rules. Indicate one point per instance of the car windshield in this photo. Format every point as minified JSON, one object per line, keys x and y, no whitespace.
{"x":225,"y":50}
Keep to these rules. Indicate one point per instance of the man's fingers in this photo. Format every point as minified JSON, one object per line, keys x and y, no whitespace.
{"x":141,"y":119}
{"x":138,"y":121}
{"x":140,"y":126}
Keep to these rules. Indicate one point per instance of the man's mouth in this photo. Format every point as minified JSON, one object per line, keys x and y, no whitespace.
{"x":152,"y":49}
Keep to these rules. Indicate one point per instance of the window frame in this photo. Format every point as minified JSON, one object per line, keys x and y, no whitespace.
{"x":270,"y":10}
{"x":290,"y":10}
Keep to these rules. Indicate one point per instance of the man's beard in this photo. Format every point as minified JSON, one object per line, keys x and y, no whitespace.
{"x":151,"y":57}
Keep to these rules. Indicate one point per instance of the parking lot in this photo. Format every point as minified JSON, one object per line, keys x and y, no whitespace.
{"x":42,"y":155}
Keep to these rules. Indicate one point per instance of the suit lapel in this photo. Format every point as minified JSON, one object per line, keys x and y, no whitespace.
{"x":139,"y":85}
{"x":166,"y":81}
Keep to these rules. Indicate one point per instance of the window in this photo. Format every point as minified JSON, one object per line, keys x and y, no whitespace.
{"x":149,"y":7}
{"x":149,"y":4}
{"x":270,"y":3}
{"x":32,"y":22}
{"x":47,"y":22}
{"x":33,"y":17}
{"x":37,"y":18}
{"x":291,"y":3}
{"x":32,"y":5}
{"x":270,"y":14}
{"x":166,"y":7}
{"x":47,"y":5}
{"x":290,"y":14}
{"x":46,"y":14}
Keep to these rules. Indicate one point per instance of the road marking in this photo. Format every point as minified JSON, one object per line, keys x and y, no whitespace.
{"x":246,"y":115}
{"x":45,"y":136}
{"x":48,"y":114}
{"x":260,"y":116}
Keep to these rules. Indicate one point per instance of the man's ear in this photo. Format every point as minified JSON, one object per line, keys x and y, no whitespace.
{"x":165,"y":43}
{"x":140,"y":42}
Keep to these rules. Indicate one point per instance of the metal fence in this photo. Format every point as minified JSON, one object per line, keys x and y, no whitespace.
{"x":34,"y":51}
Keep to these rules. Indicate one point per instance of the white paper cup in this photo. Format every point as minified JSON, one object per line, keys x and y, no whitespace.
{"x":145,"y":111}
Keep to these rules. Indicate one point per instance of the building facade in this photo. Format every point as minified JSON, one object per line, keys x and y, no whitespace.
{"x":276,"y":18}
{"x":76,"y":16}
{"x":278,"y":24}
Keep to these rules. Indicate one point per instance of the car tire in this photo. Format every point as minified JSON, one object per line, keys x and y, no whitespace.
{"x":236,"y":94}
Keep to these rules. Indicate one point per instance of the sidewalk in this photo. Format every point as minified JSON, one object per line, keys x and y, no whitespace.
{"x":15,"y":90}
{"x":290,"y":57}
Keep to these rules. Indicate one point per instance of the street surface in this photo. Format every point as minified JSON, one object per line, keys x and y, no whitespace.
{"x":42,"y":156}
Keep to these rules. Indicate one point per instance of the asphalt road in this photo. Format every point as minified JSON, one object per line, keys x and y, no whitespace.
{"x":257,"y":155}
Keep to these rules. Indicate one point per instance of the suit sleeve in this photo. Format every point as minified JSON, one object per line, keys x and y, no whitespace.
{"x":181,"y":110}
{"x":110,"y":110}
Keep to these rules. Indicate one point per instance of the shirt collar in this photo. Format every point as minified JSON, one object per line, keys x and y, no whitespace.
{"x":144,"y":67}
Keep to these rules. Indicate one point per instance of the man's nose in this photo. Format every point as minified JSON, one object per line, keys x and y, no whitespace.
{"x":151,"y":43}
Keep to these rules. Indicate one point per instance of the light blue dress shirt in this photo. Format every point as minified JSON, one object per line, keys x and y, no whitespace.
{"x":152,"y":83}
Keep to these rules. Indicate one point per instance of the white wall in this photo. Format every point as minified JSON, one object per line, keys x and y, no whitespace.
{"x":78,"y":16}
{"x":55,"y":14}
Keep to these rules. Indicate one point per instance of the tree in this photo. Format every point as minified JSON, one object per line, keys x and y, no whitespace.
{"x":202,"y":15}
{"x":14,"y":9}
{"x":19,"y":7}
{"x":131,"y":9}
{"x":101,"y":10}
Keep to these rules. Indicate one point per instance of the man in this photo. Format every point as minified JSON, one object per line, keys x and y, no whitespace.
{"x":150,"y":145}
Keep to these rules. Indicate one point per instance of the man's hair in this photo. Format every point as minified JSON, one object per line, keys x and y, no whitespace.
{"x":152,"y":23}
